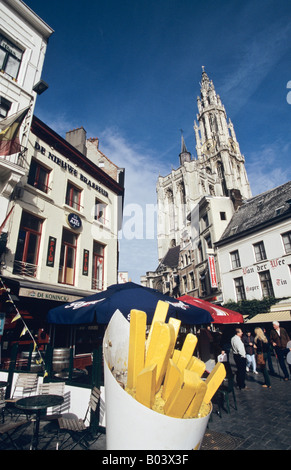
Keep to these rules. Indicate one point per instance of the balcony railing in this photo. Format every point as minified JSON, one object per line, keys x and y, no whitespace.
{"x":24,"y":269}
{"x":97,"y":284}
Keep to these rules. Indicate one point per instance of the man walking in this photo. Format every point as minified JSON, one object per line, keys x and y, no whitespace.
{"x":239,"y":355}
{"x":279,"y":339}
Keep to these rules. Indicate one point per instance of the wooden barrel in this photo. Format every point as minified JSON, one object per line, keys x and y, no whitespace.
{"x":61,"y":359}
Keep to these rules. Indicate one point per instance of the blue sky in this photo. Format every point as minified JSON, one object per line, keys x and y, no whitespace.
{"x":128,"y":71}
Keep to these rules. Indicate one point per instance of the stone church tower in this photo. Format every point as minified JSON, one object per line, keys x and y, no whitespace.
{"x":217,"y":171}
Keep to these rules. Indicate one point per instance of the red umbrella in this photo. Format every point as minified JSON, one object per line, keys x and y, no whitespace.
{"x":218,"y":313}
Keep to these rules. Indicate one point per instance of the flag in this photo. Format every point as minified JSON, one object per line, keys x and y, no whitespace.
{"x":9,"y":133}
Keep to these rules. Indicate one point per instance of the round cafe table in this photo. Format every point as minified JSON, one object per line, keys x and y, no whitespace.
{"x":36,"y":404}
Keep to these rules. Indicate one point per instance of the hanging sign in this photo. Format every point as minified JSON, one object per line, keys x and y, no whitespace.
{"x":74,"y":221}
{"x":85,"y":263}
{"x":50,"y":259}
{"x":212,"y":271}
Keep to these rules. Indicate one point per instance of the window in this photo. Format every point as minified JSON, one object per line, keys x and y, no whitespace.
{"x":10,"y":57}
{"x":38,"y":176}
{"x":101,"y":212}
{"x":239,"y":289}
{"x":185,"y":284}
{"x":222,"y":216}
{"x":73,"y":196}
{"x":266,"y":284}
{"x":5,"y":106}
{"x":192,"y":281}
{"x":235,"y":260}
{"x":26,"y":256}
{"x":200,"y":253}
{"x":98,"y":266}
{"x":68,"y":258}
{"x":208,"y":241}
{"x":260,"y":253}
{"x":286,"y":237}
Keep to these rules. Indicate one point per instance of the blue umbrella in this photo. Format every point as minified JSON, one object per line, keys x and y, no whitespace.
{"x":100,"y":307}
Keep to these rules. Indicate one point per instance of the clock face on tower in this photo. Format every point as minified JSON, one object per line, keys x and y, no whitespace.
{"x":209,"y":146}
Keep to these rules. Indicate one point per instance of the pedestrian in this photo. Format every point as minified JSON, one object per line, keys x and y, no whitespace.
{"x":248,"y":341}
{"x":269,"y":357}
{"x":262,"y":349}
{"x":239,"y":355}
{"x":279,"y":339}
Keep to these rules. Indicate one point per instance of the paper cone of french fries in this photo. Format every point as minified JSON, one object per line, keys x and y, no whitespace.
{"x":130,"y":425}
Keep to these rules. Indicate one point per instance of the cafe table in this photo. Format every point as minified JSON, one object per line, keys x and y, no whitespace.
{"x":37,"y":404}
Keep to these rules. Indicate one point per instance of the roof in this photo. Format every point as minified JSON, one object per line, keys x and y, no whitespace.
{"x":255,"y":213}
{"x":171,"y":258}
{"x":284,"y":315}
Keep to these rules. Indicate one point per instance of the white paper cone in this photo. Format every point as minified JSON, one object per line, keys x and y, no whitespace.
{"x":129,"y":424}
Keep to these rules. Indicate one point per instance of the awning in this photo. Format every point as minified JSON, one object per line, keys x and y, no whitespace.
{"x":284,"y":315}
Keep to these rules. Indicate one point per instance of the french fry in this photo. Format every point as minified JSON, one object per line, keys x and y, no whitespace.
{"x":214,"y":380}
{"x":146,"y":386}
{"x":159,"y":315}
{"x":173,"y":374}
{"x":176,"y":324}
{"x":187,"y":351}
{"x":160,"y":349}
{"x":181,"y":395}
{"x":196,"y":365}
{"x":200,"y":390}
{"x":136,"y":349}
{"x":176,"y":355}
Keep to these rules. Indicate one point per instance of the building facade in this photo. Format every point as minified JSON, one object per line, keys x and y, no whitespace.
{"x":23,"y":43}
{"x":254,"y":252}
{"x":197,"y":200}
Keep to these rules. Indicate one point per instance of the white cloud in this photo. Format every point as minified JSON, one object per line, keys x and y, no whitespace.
{"x":138,"y":254}
{"x":263,"y":170}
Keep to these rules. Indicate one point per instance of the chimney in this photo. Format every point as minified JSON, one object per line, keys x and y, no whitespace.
{"x":77,"y":138}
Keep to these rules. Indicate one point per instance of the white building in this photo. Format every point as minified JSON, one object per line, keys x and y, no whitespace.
{"x":254,"y":252}
{"x":23,"y":43}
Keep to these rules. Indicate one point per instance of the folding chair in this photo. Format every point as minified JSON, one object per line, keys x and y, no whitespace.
{"x":55,"y":388}
{"x":2,"y":402}
{"x":227,"y":389}
{"x":26,"y":385}
{"x":79,"y":432}
{"x":9,"y":429}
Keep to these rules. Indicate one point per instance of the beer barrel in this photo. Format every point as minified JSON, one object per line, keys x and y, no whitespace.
{"x":61,"y":359}
{"x":34,"y":367}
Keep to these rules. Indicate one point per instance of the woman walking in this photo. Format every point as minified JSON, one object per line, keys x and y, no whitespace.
{"x":262,"y":348}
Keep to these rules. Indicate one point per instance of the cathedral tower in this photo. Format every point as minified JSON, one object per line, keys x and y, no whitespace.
{"x":217,"y":171}
{"x":216,"y":144}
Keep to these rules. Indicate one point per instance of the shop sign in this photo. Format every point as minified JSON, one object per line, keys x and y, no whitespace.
{"x":66,"y":166}
{"x":212,"y":271}
{"x":74,"y":221}
{"x":46,"y":295}
{"x":50,"y":260}
{"x":85,"y":262}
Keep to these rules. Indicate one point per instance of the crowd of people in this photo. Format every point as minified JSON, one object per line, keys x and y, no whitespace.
{"x":251,"y":352}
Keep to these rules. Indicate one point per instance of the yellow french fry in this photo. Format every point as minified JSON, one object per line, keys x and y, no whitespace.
{"x":146,"y":386}
{"x":160,"y":349}
{"x":214,"y":380}
{"x":160,"y":315}
{"x":187,"y":351}
{"x":176,"y":355}
{"x":173,"y":374}
{"x":200,"y":391}
{"x":196,"y":365}
{"x":176,"y":324}
{"x":181,"y":395}
{"x":136,"y":350}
